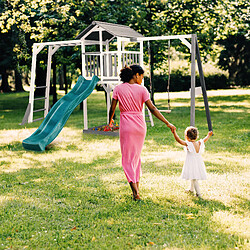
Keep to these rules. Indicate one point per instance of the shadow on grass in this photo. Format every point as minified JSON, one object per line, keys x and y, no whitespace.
{"x":243,"y":203}
{"x":69,"y":203}
{"x":211,"y":205}
{"x":222,"y":168}
{"x":73,"y":218}
{"x":13,"y":146}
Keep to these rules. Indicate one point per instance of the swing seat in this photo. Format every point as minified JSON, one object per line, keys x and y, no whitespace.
{"x":165,"y":110}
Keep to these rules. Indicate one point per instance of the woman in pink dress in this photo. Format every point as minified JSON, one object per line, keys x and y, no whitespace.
{"x":131,"y":96}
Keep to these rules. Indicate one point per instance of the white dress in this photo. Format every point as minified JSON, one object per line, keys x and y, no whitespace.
{"x":194,"y":167}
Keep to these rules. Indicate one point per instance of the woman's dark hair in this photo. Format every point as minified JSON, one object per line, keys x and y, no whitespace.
{"x":126,"y":74}
{"x":137,"y":69}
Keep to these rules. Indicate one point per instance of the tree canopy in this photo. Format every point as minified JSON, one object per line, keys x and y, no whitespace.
{"x":23,"y":22}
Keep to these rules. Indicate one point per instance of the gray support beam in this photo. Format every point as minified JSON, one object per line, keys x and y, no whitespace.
{"x":26,"y":115}
{"x":203,"y":87}
{"x":192,"y":108}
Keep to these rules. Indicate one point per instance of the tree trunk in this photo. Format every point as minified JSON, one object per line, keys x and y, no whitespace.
{"x":65,"y":78}
{"x":61,"y":79}
{"x":18,"y":81}
{"x":5,"y":84}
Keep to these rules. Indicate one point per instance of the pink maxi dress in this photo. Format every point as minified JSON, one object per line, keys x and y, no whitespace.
{"x":132,"y":126}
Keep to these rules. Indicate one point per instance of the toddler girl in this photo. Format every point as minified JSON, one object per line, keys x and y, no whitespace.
{"x":194,"y":167}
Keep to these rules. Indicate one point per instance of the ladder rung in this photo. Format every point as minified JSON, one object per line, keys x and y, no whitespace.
{"x":38,"y":110}
{"x":148,"y":121}
{"x":40,"y":98}
{"x":41,"y":87}
{"x":38,"y":119}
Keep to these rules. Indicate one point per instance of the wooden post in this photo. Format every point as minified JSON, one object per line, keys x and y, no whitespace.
{"x":119,"y":55}
{"x":141,"y":64}
{"x":32,"y":83}
{"x":203,"y":86}
{"x":107,"y":58}
{"x":83,"y":59}
{"x":141,"y":54}
{"x":46,"y":104}
{"x":101,"y":54}
{"x":108,"y":101}
{"x":192,"y":108}
{"x":85,"y":109}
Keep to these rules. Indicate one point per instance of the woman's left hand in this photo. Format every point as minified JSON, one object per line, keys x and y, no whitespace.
{"x":172,"y":127}
{"x":111,"y":123}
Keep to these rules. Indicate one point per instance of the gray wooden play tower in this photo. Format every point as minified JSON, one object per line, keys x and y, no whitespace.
{"x":117,"y":45}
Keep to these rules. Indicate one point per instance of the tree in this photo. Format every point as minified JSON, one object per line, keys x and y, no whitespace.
{"x":6,"y":53}
{"x":235,"y":58}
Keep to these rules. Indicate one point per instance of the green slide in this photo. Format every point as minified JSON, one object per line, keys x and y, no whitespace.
{"x":59,"y":114}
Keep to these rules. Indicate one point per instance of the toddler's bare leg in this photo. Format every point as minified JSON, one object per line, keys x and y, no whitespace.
{"x":192,"y":186}
{"x":197,"y":188}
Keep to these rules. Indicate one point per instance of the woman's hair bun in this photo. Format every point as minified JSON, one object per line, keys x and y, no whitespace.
{"x":126,"y":74}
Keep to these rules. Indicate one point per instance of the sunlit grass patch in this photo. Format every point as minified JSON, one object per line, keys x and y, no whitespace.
{"x":232,"y":223}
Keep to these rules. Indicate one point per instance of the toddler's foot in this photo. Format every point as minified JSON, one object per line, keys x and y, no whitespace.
{"x":199,"y":196}
{"x":188,"y":191}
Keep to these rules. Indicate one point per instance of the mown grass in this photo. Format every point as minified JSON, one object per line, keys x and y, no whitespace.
{"x":75,"y":194}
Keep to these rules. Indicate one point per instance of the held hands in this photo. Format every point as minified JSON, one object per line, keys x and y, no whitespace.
{"x":210,"y":133}
{"x":172,"y":127}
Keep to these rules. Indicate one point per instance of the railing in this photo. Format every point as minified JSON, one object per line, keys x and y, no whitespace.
{"x":130,"y":58}
{"x":110,"y":63}
{"x":92,"y":64}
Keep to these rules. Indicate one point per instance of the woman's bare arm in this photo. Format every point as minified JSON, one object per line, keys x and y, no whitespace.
{"x":158,"y":114}
{"x":112,"y":110}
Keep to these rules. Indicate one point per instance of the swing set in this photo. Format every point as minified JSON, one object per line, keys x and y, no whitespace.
{"x":106,"y":63}
{"x":195,"y":56}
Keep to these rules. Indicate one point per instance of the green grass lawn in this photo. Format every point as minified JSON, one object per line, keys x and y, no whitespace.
{"x":75,"y":194}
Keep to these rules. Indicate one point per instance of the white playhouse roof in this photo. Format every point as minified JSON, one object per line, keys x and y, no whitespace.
{"x":110,"y":30}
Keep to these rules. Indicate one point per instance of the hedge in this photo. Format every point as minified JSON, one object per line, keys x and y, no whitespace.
{"x":179,"y":82}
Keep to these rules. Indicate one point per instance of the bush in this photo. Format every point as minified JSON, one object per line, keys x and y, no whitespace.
{"x":181,"y":82}
{"x":218,"y":81}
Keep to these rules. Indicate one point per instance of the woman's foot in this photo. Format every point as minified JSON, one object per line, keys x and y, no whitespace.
{"x":134,"y":189}
{"x":137,"y":197}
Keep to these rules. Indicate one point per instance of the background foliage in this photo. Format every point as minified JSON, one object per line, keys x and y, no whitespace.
{"x":23,"y":22}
